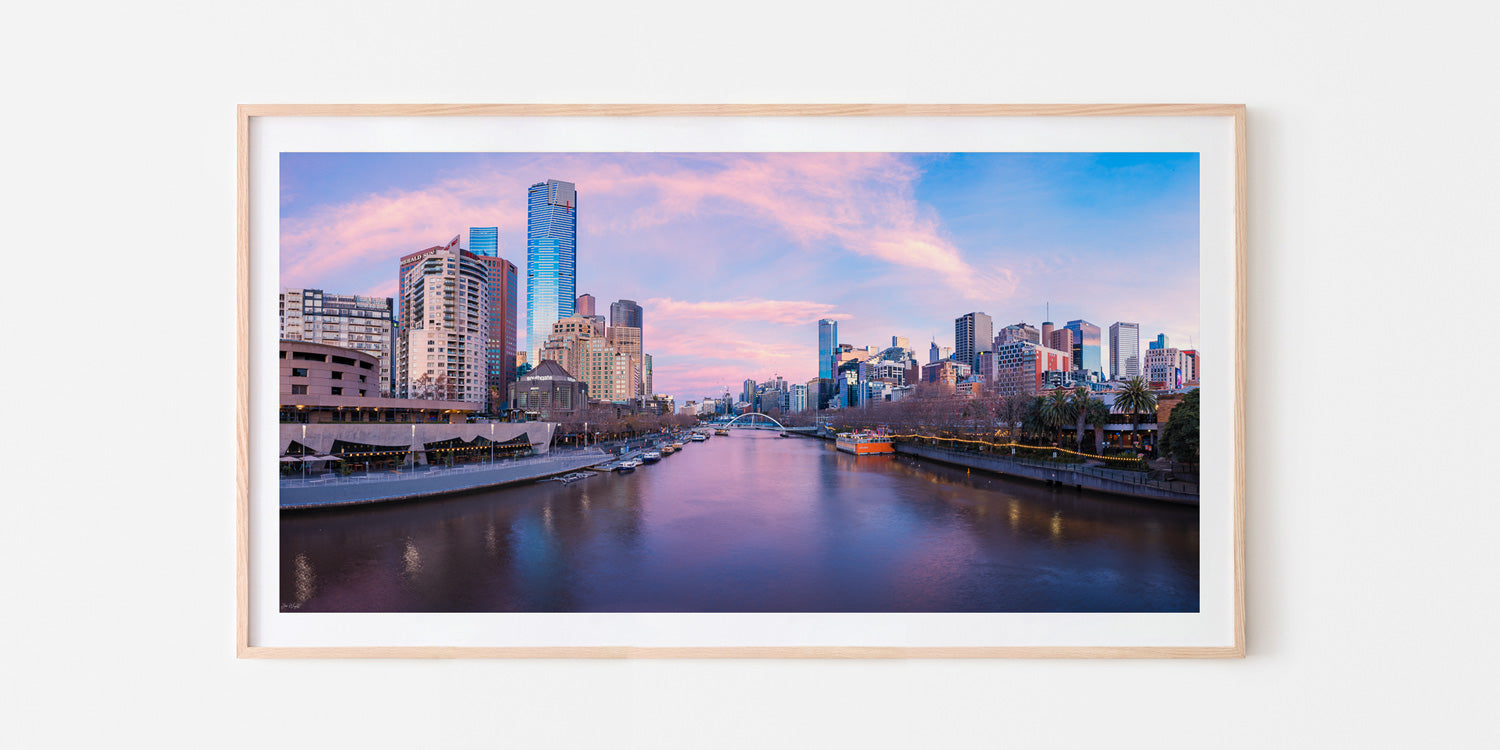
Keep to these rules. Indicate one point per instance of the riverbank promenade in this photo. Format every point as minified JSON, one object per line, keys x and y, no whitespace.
{"x":1114,"y":481}
{"x":412,"y":483}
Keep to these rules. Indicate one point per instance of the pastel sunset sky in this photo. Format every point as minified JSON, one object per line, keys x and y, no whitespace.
{"x":736,"y":256}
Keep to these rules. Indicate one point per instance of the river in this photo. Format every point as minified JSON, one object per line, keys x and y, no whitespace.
{"x":750,"y":523}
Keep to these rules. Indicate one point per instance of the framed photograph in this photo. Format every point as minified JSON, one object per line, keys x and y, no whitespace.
{"x":887,"y":381}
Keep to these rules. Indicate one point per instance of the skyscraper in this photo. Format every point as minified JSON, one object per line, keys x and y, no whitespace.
{"x":1161,"y":342}
{"x":1124,"y":350}
{"x":500,"y":347}
{"x":1087,"y":351}
{"x":934,"y":354}
{"x":584,"y":305}
{"x":627,"y":333}
{"x":484,"y":241}
{"x":972,"y":333}
{"x":551,"y":258}
{"x":443,"y":333}
{"x":625,"y":313}
{"x":828,"y":344}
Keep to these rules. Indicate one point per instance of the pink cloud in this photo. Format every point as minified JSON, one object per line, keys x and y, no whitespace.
{"x":784,"y":312}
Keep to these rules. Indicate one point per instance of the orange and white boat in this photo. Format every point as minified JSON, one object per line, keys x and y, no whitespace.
{"x":864,"y":442}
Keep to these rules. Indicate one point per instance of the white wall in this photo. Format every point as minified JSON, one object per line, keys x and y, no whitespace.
{"x":1372,"y":165}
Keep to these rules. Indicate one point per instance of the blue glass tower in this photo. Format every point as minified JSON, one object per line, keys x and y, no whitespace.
{"x":828,"y":343}
{"x":484,"y":241}
{"x":551,"y":259}
{"x":1087,"y":352}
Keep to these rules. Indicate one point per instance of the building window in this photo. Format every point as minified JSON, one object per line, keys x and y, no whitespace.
{"x":299,"y":372}
{"x":338,"y":391}
{"x":299,"y":390}
{"x":337,"y":375}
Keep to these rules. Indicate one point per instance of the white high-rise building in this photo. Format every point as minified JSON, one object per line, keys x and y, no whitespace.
{"x":445,"y":318}
{"x":1124,"y":350}
{"x":346,"y":320}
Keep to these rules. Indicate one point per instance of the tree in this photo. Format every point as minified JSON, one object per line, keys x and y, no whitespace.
{"x":1179,"y":437}
{"x":1056,"y":410}
{"x":1135,"y":397}
{"x":1086,"y":410}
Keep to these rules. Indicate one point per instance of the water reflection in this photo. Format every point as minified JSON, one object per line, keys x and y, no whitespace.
{"x":751,"y":522}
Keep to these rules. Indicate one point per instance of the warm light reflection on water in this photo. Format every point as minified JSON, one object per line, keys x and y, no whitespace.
{"x":751,"y":522}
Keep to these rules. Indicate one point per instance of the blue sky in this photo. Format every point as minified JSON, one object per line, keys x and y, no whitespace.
{"x":736,"y":256}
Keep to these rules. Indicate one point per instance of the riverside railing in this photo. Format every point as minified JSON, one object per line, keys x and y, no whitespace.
{"x":427,"y":472}
{"x":1122,"y":476}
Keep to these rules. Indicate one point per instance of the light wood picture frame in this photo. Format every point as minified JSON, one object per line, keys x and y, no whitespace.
{"x":1230,"y":119}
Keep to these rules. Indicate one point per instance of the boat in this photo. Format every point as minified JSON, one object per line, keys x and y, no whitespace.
{"x":864,"y":442}
{"x":721,"y":432}
{"x":651,"y":457}
{"x":698,"y":437}
{"x":667,"y":450}
{"x":784,"y":435}
{"x":677,"y":446}
{"x":626,"y":466}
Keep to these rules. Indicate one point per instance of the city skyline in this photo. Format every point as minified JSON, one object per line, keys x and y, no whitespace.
{"x":736,"y":257}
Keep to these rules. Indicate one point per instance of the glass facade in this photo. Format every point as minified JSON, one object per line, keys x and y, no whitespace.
{"x":828,"y":343}
{"x":484,"y":241}
{"x":625,"y":313}
{"x":551,"y":259}
{"x":1087,"y":350}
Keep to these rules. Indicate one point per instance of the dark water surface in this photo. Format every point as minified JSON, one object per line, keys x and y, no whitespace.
{"x":751,"y":523}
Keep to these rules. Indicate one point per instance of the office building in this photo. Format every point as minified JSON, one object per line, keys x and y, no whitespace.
{"x":1021,"y":367}
{"x":828,"y":344}
{"x":799,"y":397}
{"x":647,"y":385}
{"x":1161,"y":342}
{"x":484,"y":241}
{"x":1194,"y":367}
{"x":345,"y":320}
{"x":626,"y":312}
{"x":1166,"y":368}
{"x":972,"y":333}
{"x":565,"y":344}
{"x":551,"y":258}
{"x":627,"y":340}
{"x":1018,"y":332}
{"x":1124,"y":350}
{"x":611,"y":375}
{"x":1087,"y":351}
{"x":500,"y":342}
{"x":1061,"y":339}
{"x":584,"y":305}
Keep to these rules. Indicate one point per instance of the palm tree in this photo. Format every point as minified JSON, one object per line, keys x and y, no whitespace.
{"x":1087,"y":411}
{"x":1135,"y":397}
{"x":1080,"y":402}
{"x":1057,"y":410}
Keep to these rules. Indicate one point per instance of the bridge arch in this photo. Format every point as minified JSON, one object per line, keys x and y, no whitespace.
{"x":754,"y":414}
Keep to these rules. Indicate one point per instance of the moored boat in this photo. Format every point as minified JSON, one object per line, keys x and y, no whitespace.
{"x":698,"y":437}
{"x":651,"y":457}
{"x":864,"y":442}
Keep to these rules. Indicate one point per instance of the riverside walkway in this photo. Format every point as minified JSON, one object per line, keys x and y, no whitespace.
{"x":1115,"y":481}
{"x":390,"y":486}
